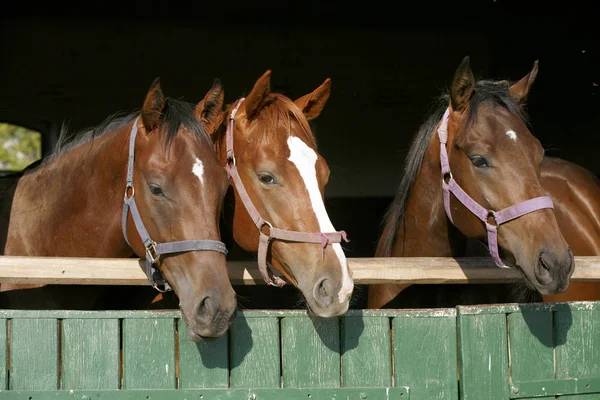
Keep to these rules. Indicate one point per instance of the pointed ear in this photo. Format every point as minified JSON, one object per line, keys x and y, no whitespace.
{"x":256,"y":99}
{"x":312,"y":103}
{"x":210,"y":108}
{"x":463,"y":84}
{"x":520,"y":89}
{"x":153,"y":106}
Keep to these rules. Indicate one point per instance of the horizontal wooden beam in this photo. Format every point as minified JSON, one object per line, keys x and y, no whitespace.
{"x":411,"y":270}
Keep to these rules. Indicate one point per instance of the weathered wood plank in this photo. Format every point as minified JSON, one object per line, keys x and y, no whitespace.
{"x":577,"y":344}
{"x":310,"y":352}
{"x":3,"y":354}
{"x":90,"y":354}
{"x":366,"y":354}
{"x":34,"y":354}
{"x":202,"y":365}
{"x":531,"y":344}
{"x":425,"y":355}
{"x":255,"y":352}
{"x":149,"y":353}
{"x":483,"y":355}
{"x":414,"y":270}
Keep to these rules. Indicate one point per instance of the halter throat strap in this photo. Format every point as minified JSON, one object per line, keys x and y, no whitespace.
{"x":449,"y":185}
{"x":322,"y":238}
{"x":153,"y":249}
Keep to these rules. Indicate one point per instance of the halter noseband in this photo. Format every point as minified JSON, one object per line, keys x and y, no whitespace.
{"x":153,"y":249}
{"x":323,"y":238}
{"x":500,"y":217}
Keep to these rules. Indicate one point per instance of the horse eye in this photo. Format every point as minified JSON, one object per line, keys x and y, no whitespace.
{"x":267,"y":179}
{"x":156,"y":190}
{"x":479,"y":162}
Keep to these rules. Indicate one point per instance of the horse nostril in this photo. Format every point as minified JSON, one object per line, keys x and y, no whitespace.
{"x":542,"y":270}
{"x":322,"y":292}
{"x":205,"y":307}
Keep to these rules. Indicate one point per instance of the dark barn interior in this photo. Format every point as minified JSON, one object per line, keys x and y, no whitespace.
{"x":79,"y":63}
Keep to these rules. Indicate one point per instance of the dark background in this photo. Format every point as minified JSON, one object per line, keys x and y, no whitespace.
{"x":80,"y":62}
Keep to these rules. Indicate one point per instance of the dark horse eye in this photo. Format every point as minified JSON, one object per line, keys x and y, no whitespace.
{"x":156,"y":190}
{"x":266,"y":179}
{"x":479,"y":162}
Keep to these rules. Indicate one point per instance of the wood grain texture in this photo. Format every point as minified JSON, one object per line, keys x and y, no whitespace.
{"x":425,"y":356}
{"x":90,"y":354}
{"x":255,"y":352}
{"x":149,"y":353}
{"x":310,"y":352}
{"x":366,"y":352}
{"x":34,"y":354}
{"x":414,"y":270}
{"x":202,"y":365}
{"x":578,"y":344}
{"x":3,"y":354}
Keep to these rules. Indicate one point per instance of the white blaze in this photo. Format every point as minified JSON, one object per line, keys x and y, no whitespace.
{"x":512,"y":135}
{"x":198,"y":170}
{"x":305,"y":159}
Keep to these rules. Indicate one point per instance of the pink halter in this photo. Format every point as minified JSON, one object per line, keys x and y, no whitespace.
{"x":323,"y":238}
{"x":500,"y":217}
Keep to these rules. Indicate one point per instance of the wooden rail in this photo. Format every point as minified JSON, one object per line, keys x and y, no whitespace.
{"x":412,"y":270}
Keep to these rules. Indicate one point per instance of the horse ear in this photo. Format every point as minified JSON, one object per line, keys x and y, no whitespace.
{"x":256,"y":99}
{"x":153,"y":106}
{"x":312,"y":104}
{"x":520,"y":89}
{"x":210,"y":108}
{"x":463,"y":84}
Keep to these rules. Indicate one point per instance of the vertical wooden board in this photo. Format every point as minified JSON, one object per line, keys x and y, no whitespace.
{"x":531,"y":346}
{"x":483,"y":355}
{"x":204,"y":364}
{"x":148,"y":353}
{"x":255,"y":352}
{"x":90,"y":354}
{"x":310,"y":350}
{"x":3,"y":355}
{"x":34,"y":354}
{"x":577,"y":344}
{"x":425,"y":356}
{"x":366,"y":356}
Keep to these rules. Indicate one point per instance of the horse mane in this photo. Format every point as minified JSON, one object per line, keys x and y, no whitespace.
{"x":175,"y":114}
{"x":486,"y":91}
{"x":277,"y":108}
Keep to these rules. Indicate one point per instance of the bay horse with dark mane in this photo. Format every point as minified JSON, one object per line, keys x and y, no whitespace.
{"x":144,"y":185}
{"x":473,"y":171}
{"x":278,"y":178}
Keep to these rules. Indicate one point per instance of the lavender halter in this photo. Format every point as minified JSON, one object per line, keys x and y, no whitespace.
{"x":323,"y":238}
{"x":500,"y":217}
{"x":153,"y":249}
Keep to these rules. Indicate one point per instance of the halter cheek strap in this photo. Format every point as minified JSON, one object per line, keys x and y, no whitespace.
{"x":323,"y":238}
{"x":500,"y":217}
{"x":153,"y":249}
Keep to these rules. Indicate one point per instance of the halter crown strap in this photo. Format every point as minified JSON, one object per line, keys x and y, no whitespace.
{"x":500,"y":217}
{"x":153,"y":249}
{"x":323,"y":238}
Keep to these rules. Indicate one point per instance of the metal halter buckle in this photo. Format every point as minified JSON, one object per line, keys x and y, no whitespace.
{"x":151,"y":252}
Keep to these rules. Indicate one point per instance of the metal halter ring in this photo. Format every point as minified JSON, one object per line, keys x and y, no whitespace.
{"x":151,"y":251}
{"x":127,"y":191}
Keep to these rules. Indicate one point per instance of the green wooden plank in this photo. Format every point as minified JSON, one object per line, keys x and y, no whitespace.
{"x":366,"y":355}
{"x":595,"y":396}
{"x":90,"y":354}
{"x":310,"y":350}
{"x":554,"y":387}
{"x":34,"y":354}
{"x":483,"y":356}
{"x":220,"y":394}
{"x":149,"y":353}
{"x":577,"y":344}
{"x":531,"y":344}
{"x":202,"y":365}
{"x":425,"y":356}
{"x":3,"y":355}
{"x":255,"y":361}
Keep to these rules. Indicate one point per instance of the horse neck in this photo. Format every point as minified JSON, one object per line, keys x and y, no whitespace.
{"x":79,"y":196}
{"x":425,"y":230}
